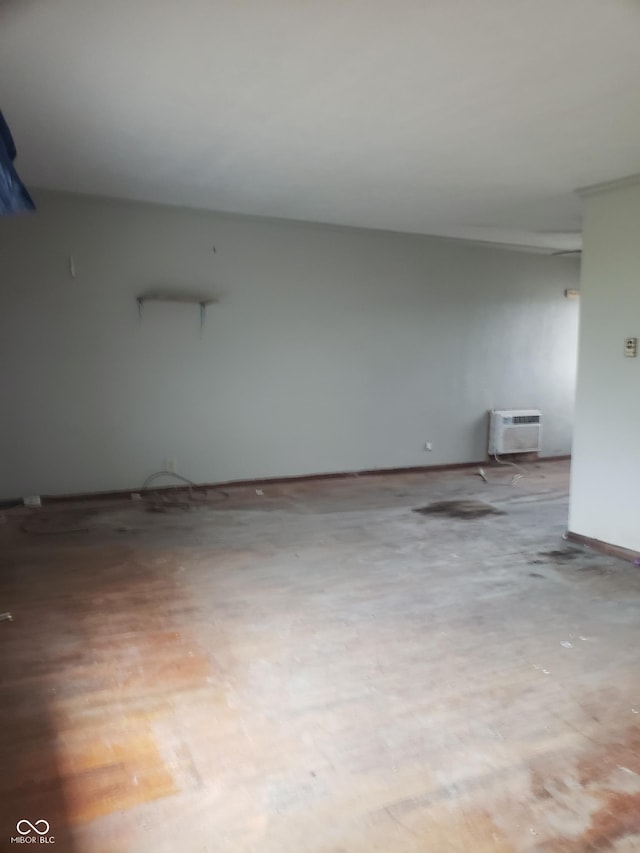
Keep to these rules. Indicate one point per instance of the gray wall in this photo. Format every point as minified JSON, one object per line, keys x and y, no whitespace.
{"x":606,"y":469}
{"x":331,"y":349}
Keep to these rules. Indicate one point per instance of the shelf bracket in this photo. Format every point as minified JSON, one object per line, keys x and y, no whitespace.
{"x":178,"y":297}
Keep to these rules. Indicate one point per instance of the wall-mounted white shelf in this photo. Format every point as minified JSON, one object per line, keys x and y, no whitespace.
{"x":177,"y":297}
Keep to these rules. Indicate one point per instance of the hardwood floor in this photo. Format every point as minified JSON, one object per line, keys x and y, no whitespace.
{"x":320,"y":669}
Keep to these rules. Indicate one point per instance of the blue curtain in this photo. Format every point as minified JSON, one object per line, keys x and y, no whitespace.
{"x":14,"y":197}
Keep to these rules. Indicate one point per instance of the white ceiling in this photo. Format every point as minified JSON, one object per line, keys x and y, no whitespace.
{"x":468,"y":118}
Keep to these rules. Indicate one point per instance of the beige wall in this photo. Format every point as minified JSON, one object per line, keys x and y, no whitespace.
{"x":605,"y":502}
{"x":332,"y":349}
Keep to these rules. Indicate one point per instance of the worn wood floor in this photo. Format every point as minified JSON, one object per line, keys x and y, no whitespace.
{"x":320,"y":669}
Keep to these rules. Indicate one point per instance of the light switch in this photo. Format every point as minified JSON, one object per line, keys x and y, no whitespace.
{"x":631,"y":347}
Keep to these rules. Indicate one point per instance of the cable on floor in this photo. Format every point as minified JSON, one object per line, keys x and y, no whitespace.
{"x":166,"y":501}
{"x":516,"y":477}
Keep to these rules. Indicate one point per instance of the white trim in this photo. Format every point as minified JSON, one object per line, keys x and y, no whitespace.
{"x":617,"y":184}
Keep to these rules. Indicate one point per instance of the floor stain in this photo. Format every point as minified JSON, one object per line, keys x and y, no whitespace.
{"x":459,"y":509}
{"x":599,"y":763}
{"x":562,"y":555}
{"x":617,"y":819}
{"x":116,"y":772}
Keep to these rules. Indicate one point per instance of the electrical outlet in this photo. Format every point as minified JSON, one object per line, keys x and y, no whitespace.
{"x":428,"y":446}
{"x":631,"y":347}
{"x":171,"y":465}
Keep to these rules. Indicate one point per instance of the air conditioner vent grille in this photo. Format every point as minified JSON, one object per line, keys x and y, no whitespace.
{"x":525,"y":419}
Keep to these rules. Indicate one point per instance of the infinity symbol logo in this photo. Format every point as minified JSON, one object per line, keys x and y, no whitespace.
{"x":32,"y":827}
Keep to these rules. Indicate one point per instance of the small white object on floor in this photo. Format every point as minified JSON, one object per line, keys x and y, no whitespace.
{"x":259,"y":492}
{"x":6,"y":617}
{"x":566,"y":644}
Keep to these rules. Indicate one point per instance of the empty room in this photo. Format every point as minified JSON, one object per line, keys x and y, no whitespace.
{"x":319,"y":514}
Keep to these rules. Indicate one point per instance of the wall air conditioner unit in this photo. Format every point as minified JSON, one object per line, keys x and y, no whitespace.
{"x":515,"y":431}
